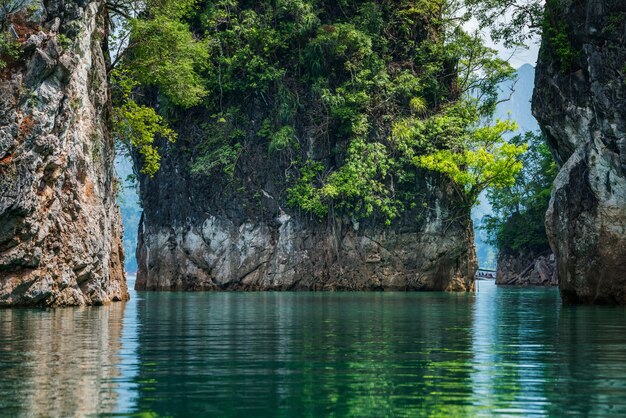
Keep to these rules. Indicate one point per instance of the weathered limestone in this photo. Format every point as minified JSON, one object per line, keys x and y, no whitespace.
{"x":526,"y":269}
{"x":581,"y":107}
{"x":201,"y":233}
{"x":60,"y":230}
{"x":298,"y":254}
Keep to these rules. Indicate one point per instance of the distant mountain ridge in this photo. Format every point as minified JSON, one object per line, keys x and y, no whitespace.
{"x":518,"y":108}
{"x":130,"y":208}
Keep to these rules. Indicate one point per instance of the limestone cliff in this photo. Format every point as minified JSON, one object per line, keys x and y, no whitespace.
{"x":286,"y":173}
{"x":580,"y":102}
{"x":217,"y":234}
{"x":60,"y":230}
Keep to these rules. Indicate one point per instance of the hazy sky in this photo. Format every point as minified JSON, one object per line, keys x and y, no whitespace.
{"x":517,"y":57}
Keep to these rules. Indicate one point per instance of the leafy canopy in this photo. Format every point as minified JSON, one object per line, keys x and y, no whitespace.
{"x":154,"y":48}
{"x":485,"y":162}
{"x":136,"y":125}
{"x":516,"y":22}
{"x":166,"y":55}
{"x":519,"y":210}
{"x":512,"y":22}
{"x":396,"y":90}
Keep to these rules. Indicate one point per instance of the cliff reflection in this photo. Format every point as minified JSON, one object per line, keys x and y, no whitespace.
{"x":503,"y":351}
{"x":304,"y":354}
{"x":593,"y":370}
{"x":61,"y":362}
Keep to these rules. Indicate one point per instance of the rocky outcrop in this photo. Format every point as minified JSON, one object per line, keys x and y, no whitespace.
{"x":222,"y":212}
{"x":291,"y":253}
{"x":526,"y":269}
{"x":201,"y":233}
{"x":60,"y":230}
{"x":580,"y":102}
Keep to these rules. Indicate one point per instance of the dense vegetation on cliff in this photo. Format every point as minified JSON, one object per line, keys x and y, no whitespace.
{"x":392,"y":88}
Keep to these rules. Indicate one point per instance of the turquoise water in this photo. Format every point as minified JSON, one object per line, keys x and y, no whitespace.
{"x":501,"y":351}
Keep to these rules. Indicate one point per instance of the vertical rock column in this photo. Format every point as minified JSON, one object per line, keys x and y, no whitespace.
{"x":580,"y":102}
{"x":60,"y":228}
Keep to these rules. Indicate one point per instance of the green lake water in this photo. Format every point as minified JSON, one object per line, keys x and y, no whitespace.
{"x":501,"y":351}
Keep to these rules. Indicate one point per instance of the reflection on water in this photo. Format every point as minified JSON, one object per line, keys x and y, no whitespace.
{"x":59,"y":362}
{"x":507,"y":351}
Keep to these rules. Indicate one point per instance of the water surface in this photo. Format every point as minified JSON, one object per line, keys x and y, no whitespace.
{"x":501,"y":351}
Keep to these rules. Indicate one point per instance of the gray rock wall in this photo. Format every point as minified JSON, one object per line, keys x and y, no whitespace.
{"x":581,"y":107}
{"x":299,"y":254}
{"x":222,"y":233}
{"x":60,"y":230}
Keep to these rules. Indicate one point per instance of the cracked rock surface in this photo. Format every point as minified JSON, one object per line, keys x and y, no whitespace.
{"x":200,"y":233}
{"x":526,"y":268}
{"x":581,"y":108}
{"x":60,"y":229}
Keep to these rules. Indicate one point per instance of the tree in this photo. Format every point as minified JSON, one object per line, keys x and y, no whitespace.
{"x":512,"y":22}
{"x":519,"y":210}
{"x":485,"y":161}
{"x":153,"y":47}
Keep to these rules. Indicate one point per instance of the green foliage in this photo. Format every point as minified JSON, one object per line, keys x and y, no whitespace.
{"x":304,"y":194}
{"x":10,"y":49}
{"x":337,"y":50}
{"x":64,"y":41}
{"x":485,"y":161}
{"x":519,"y":210}
{"x":224,"y":157}
{"x":283,"y":139}
{"x":162,"y":52}
{"x":136,"y":125}
{"x":223,"y":146}
{"x":165,"y":54}
{"x":481,"y":72}
{"x":515,"y":22}
{"x":242,"y":45}
{"x":391,"y":89}
{"x":512,"y":22}
{"x":357,"y":187}
{"x":371,"y":68}
{"x":556,"y":36}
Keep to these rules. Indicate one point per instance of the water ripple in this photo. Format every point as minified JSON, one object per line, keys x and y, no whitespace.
{"x":501,"y":352}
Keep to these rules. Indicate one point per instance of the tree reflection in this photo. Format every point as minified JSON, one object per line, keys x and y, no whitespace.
{"x":503,"y":351}
{"x":349,"y":354}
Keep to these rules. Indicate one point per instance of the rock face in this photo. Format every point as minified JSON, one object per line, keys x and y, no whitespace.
{"x":60,"y":230}
{"x":221,"y":212}
{"x":526,"y":269}
{"x":580,"y":102}
{"x":200,"y":234}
